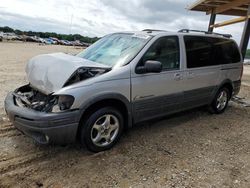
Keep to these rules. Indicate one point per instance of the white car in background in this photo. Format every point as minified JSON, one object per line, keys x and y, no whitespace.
{"x":1,"y":36}
{"x":9,"y":36}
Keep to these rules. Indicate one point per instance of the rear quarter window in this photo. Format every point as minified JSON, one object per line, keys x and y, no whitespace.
{"x":229,"y":52}
{"x":209,"y":51}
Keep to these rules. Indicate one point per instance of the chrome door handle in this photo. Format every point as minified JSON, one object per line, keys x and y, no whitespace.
{"x":178,"y":76}
{"x":190,"y":75}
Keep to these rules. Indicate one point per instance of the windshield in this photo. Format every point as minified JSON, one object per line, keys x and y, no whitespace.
{"x":115,"y":49}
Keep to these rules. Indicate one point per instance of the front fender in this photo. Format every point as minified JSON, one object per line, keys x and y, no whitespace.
{"x":108,"y":96}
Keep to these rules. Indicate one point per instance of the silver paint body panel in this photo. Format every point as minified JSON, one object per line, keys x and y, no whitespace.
{"x":136,"y":88}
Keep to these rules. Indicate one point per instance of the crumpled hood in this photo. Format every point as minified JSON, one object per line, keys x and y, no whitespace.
{"x":49,"y":72}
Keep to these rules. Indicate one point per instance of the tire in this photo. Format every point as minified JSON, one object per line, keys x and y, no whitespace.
{"x":102,"y":129}
{"x":220,"y":101}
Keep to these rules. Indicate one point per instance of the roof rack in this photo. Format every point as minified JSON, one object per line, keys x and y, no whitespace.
{"x":151,"y":30}
{"x":206,"y":32}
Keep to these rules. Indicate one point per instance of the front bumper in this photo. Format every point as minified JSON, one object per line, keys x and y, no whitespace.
{"x":44,"y":128}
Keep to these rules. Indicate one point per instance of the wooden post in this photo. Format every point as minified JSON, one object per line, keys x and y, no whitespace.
{"x":245,"y":35}
{"x":211,"y":22}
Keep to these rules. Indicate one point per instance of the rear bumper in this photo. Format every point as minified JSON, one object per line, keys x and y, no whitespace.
{"x":58,"y":128}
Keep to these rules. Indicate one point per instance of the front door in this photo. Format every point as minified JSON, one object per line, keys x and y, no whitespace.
{"x":158,"y":94}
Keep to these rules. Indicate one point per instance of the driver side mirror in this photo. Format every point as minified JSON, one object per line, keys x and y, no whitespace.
{"x":149,"y":67}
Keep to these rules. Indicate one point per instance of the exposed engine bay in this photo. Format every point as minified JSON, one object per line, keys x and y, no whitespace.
{"x":29,"y":97}
{"x":85,"y":73}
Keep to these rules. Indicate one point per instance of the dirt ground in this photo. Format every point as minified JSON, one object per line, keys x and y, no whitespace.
{"x":190,"y":149}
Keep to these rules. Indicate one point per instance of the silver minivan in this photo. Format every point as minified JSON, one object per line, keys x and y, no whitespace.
{"x":121,"y":80}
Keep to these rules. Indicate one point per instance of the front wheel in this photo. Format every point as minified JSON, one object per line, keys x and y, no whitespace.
{"x":220,"y":101}
{"x":102,"y":129}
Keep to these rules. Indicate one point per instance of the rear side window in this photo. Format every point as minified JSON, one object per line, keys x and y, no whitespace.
{"x":208,"y":51}
{"x":199,"y":51}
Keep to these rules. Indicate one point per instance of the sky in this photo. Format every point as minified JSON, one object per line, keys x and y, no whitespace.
{"x":100,"y":17}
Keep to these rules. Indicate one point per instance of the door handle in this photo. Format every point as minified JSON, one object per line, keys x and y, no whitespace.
{"x":178,"y":76}
{"x":190,"y":75}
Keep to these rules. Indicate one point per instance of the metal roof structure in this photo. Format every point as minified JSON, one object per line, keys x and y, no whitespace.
{"x":239,"y":8}
{"x":224,"y":7}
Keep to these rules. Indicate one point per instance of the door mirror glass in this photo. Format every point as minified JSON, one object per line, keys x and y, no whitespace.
{"x":149,"y":67}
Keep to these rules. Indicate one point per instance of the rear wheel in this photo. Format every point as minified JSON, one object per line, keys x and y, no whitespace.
{"x":102,"y":129}
{"x":220,"y":101}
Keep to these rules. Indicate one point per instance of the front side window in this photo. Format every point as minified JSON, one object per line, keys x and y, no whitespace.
{"x":165,"y":50}
{"x":119,"y":48}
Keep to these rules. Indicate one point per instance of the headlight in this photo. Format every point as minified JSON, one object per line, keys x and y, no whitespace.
{"x":64,"y":102}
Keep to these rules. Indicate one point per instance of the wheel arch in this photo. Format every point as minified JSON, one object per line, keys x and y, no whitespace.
{"x":117,"y":101}
{"x":228,"y":84}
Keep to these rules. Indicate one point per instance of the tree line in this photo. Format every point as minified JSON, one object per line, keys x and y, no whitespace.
{"x":70,"y":37}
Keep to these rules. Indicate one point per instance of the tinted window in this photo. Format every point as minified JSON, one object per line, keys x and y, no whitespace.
{"x":199,"y":51}
{"x":166,"y":50}
{"x":229,"y":52}
{"x":208,"y":51}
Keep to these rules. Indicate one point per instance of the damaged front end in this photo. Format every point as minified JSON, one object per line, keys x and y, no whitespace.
{"x":84,"y":73}
{"x":28,"y":97}
{"x":35,"y":109}
{"x":48,"y":73}
{"x":32,"y":112}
